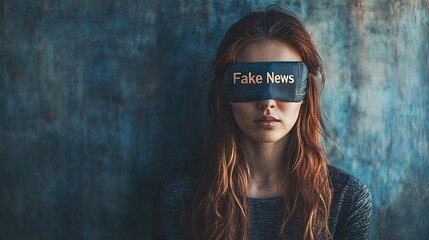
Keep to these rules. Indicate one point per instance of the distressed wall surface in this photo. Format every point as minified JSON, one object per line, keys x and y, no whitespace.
{"x":100,"y":99}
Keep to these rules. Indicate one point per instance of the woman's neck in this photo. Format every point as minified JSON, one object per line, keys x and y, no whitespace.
{"x":264,"y":161}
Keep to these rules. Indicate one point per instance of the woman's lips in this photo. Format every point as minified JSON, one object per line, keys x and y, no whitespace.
{"x":267,"y":121}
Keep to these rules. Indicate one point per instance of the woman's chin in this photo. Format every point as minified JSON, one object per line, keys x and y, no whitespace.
{"x":267,"y":138}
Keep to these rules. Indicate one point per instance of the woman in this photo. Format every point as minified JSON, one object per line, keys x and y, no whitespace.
{"x":264,"y":172}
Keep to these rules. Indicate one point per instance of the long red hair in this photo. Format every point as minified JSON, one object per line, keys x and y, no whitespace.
{"x":219,"y":209}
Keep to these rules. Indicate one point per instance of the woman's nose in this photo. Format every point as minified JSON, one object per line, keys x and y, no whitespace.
{"x":266,"y":104}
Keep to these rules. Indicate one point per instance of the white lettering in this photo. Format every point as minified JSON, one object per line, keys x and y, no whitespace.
{"x":236,"y":77}
{"x":275,"y":78}
{"x":270,"y":77}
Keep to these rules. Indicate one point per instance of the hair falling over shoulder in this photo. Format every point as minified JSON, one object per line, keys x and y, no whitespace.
{"x":219,"y":209}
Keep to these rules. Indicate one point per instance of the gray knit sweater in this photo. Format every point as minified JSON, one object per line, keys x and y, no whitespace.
{"x":349,"y":218}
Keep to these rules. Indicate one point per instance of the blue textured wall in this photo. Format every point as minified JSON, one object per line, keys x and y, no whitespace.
{"x":100,"y":99}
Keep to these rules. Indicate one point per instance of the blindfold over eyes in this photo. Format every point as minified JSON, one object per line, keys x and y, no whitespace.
{"x":251,"y":81}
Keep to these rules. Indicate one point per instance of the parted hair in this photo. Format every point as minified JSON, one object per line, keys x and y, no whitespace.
{"x":219,"y":209}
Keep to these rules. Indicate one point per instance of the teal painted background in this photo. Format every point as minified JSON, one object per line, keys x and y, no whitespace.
{"x":99,"y":100}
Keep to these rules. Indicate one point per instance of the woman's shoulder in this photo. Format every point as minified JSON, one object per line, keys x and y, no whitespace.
{"x":351,"y":207}
{"x":178,"y":186}
{"x":351,"y":188}
{"x":342,"y":180}
{"x":173,"y":196}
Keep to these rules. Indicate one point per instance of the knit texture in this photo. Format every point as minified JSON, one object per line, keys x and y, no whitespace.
{"x":349,"y":217}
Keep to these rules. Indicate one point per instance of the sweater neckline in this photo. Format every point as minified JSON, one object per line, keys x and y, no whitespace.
{"x":264,"y":198}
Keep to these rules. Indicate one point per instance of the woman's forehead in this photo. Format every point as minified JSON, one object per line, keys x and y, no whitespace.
{"x":268,"y":50}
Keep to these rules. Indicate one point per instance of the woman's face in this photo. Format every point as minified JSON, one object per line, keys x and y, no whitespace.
{"x":266,"y":121}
